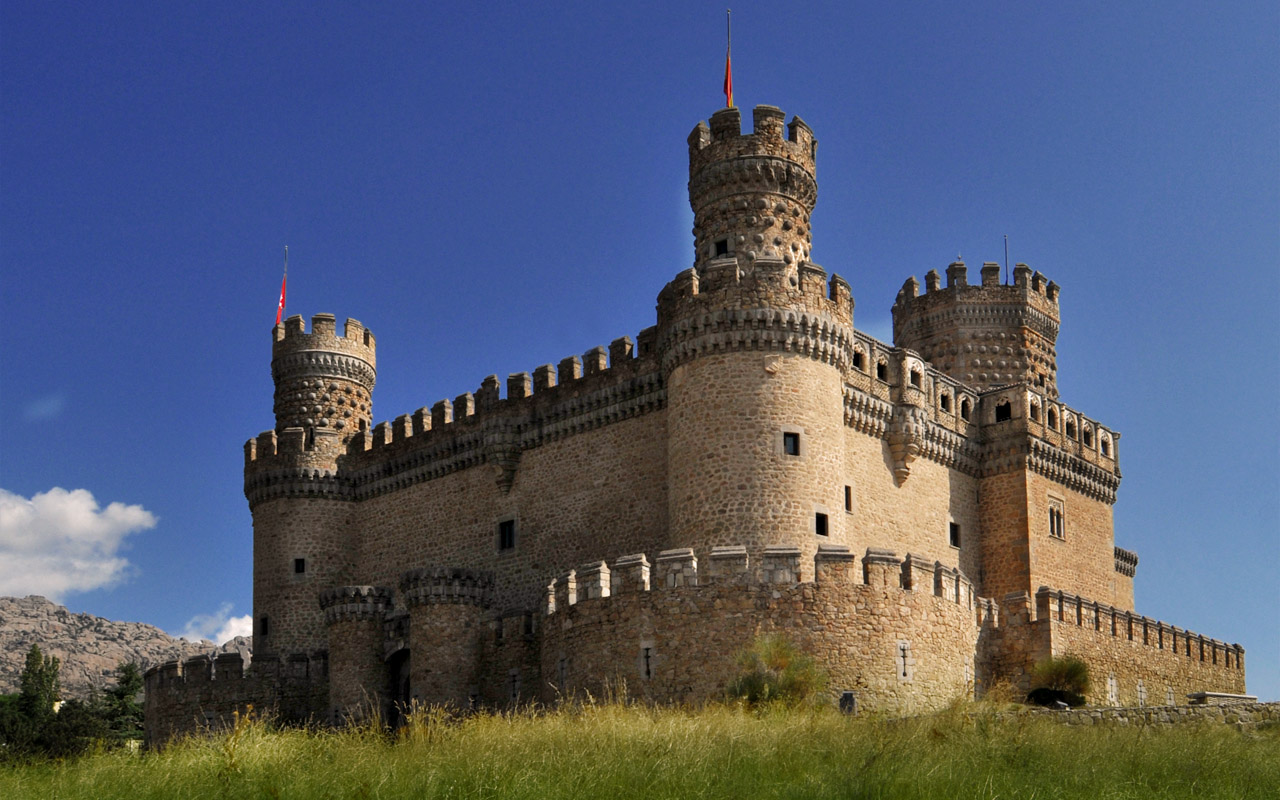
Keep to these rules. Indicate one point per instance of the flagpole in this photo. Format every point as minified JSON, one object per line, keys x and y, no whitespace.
{"x":283,"y":284}
{"x":728,"y":58}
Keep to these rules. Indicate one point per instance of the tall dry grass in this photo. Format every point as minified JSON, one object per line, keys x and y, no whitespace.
{"x":619,"y":751}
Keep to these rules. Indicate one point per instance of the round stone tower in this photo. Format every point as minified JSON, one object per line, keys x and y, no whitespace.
{"x":754,"y":340}
{"x":323,"y":381}
{"x":301,"y":509}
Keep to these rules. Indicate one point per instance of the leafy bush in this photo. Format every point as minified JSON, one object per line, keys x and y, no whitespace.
{"x":1064,"y":679}
{"x":772,"y":670}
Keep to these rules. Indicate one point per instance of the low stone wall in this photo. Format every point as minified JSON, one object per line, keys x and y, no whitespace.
{"x":206,"y":694}
{"x":899,"y":649}
{"x":1135,"y":660}
{"x":1243,"y":715}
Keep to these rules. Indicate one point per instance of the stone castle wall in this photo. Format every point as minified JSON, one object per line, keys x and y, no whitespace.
{"x":671,"y":635}
{"x":207,"y":694}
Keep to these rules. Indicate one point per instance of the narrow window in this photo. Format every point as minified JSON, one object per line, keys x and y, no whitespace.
{"x":528,"y":624}
{"x":722,"y":247}
{"x":299,"y":566}
{"x":507,"y":534}
{"x":1035,"y":412}
{"x":1057,"y":520}
{"x":647,"y":657}
{"x":791,"y":444}
{"x":562,"y":671}
{"x":945,"y":401}
{"x":915,"y":378}
{"x":848,"y":498}
{"x":964,"y":410}
{"x":263,"y":625}
{"x":955,"y":535}
{"x":882,"y":371}
{"x":1088,"y":438}
{"x":497,"y":632}
{"x":1004,"y":411}
{"x":1106,"y":446}
{"x":1071,"y":429}
{"x":820,"y":524}
{"x":859,"y":361}
{"x":1053,"y":419}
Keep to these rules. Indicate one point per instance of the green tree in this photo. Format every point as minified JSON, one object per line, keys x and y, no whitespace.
{"x":41,"y":687}
{"x":119,"y":708}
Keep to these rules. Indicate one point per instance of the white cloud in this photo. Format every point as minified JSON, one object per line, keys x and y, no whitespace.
{"x":46,"y":407}
{"x":61,"y":541}
{"x":218,"y":627}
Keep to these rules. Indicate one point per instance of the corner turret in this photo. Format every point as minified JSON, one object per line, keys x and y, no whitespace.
{"x":986,"y":335}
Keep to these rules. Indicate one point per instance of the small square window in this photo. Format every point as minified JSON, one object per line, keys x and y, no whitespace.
{"x":955,"y":535}
{"x":882,"y":371}
{"x":507,"y":534}
{"x":820,"y":524}
{"x":859,"y":361}
{"x":722,"y":247}
{"x":299,"y":566}
{"x":791,"y":443}
{"x":263,"y":625}
{"x":848,"y":498}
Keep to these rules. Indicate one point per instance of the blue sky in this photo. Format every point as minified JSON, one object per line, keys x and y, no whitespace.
{"x":492,"y":189}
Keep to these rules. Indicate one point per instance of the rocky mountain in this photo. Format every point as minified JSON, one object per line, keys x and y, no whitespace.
{"x":89,"y":647}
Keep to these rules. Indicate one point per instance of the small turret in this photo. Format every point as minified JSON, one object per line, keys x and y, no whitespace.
{"x":986,"y":335}
{"x":323,"y":381}
{"x":751,"y":194}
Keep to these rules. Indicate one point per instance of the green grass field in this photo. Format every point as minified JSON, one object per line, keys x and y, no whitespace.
{"x":614,"y":751}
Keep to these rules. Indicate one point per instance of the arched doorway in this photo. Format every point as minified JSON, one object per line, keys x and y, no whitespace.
{"x":398,"y":670}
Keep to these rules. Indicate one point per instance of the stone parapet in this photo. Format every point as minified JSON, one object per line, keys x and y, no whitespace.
{"x":434,"y":585}
{"x":355,"y":603}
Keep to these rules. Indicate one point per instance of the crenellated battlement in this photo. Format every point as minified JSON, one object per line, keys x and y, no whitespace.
{"x":986,"y":335}
{"x":356,"y":340}
{"x":356,"y":603}
{"x":1064,"y":608}
{"x":205,"y":693}
{"x":447,"y":585}
{"x":765,"y":311}
{"x":776,"y":566}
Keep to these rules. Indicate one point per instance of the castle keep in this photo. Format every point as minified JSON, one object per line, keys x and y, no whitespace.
{"x":924,"y":518}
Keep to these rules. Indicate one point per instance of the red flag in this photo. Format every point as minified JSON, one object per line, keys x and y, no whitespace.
{"x":728,"y":81}
{"x":280,"y":307}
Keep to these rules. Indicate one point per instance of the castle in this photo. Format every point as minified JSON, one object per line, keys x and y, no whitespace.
{"x":923,"y":518}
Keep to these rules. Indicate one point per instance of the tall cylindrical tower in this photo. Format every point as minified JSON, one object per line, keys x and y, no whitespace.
{"x":301,"y":509}
{"x":323,"y":381}
{"x":753,"y":342}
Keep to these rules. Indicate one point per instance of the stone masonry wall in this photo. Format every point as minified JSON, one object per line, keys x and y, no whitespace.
{"x":914,"y":516}
{"x":731,"y":482}
{"x":1133,"y":650}
{"x":317,"y":531}
{"x":677,"y":643}
{"x":571,"y":499}
{"x":204,"y":694}
{"x":1084,"y":558}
